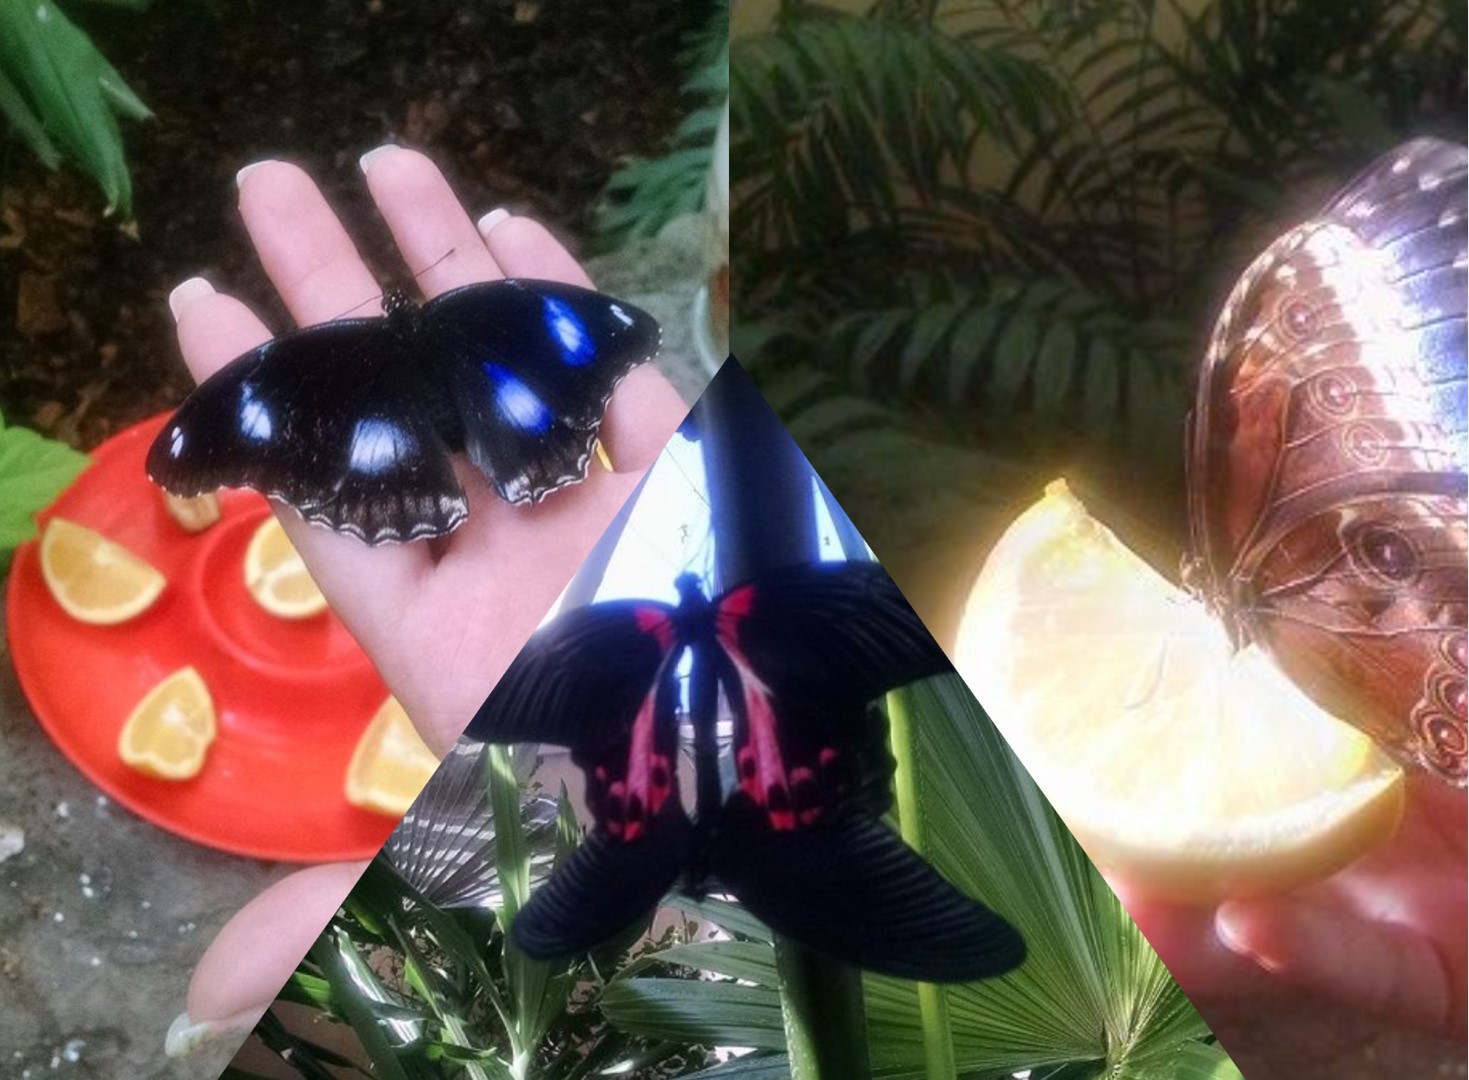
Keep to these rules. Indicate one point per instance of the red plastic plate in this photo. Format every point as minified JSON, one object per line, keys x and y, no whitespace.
{"x":292,"y":697}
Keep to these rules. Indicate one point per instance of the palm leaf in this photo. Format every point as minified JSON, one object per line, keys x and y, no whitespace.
{"x":1093,"y":994}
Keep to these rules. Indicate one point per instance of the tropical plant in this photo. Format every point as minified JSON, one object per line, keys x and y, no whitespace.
{"x":1092,"y":1000}
{"x":988,"y":236}
{"x":431,"y":990}
{"x":62,"y":97}
{"x":646,"y":193}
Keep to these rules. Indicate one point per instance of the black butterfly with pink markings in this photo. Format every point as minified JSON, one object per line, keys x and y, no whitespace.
{"x":799,"y":656}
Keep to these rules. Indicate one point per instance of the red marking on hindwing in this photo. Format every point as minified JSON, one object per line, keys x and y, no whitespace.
{"x":649,"y":774}
{"x":759,"y":763}
{"x":656,"y":624}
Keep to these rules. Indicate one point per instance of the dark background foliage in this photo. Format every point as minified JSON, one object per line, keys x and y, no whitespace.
{"x":982,"y":242}
{"x":525,"y":104}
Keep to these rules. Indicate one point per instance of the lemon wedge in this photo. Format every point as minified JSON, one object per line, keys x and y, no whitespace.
{"x":1193,"y":771}
{"x":168,"y":734}
{"x":193,"y":514}
{"x":277,"y":577}
{"x":390,"y":764}
{"x":94,"y":579}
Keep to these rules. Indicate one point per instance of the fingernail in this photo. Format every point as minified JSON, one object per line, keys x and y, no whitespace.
{"x":490,"y":220}
{"x":186,"y":293}
{"x":248,"y":169}
{"x":365,"y":161}
{"x":185,"y":1035}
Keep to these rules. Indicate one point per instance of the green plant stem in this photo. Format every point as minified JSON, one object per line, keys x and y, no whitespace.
{"x":821,"y":1004}
{"x":933,"y":1001}
{"x":526,"y":978}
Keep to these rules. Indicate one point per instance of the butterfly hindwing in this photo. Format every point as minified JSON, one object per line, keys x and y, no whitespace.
{"x":637,"y":846}
{"x":851,"y":889}
{"x":531,"y":366}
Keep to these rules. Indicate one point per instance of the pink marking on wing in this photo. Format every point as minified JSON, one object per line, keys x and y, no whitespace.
{"x":735,"y":606}
{"x":649,"y":780}
{"x":761,"y":769}
{"x":657,"y":624}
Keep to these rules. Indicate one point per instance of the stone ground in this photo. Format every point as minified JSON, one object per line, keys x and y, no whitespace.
{"x":103,"y":916}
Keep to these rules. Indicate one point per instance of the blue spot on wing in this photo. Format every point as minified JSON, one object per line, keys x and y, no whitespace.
{"x":516,"y":403}
{"x":569,"y":333}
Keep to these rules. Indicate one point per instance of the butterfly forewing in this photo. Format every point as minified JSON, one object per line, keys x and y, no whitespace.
{"x":531,"y":366}
{"x":326,"y":420}
{"x":580,"y":680}
{"x":1326,"y":478}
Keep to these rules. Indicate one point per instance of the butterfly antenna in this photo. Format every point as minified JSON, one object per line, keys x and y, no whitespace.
{"x":376,"y":298}
{"x":419,"y":273}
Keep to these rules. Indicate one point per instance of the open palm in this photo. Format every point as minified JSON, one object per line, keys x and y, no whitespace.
{"x":441,"y":619}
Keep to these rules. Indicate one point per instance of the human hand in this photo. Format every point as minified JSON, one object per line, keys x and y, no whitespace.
{"x":1385,"y":936}
{"x":441,"y":619}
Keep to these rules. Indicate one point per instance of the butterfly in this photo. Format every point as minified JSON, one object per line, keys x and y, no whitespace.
{"x":352,"y":422}
{"x":799,"y":655}
{"x":1327,"y":491}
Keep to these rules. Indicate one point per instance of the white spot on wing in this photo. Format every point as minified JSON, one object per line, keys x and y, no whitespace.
{"x":255,"y":421}
{"x":378,"y":445}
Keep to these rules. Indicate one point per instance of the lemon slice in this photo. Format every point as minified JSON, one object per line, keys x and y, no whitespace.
{"x":1194,"y":771}
{"x":94,"y":579}
{"x":276,"y":576}
{"x":390,"y":764}
{"x":193,"y":514}
{"x":169,"y":732}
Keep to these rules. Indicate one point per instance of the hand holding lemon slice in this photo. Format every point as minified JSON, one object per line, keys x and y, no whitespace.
{"x":1195,"y":771}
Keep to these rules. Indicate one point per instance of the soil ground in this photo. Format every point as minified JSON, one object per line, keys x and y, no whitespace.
{"x":525,"y":104}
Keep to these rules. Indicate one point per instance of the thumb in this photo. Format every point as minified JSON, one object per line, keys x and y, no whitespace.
{"x":254,"y":954}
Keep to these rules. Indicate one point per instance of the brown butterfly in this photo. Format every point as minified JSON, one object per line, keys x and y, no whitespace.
{"x":1326,"y":451}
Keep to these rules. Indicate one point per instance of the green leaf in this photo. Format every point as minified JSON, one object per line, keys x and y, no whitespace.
{"x":33,"y":471}
{"x":54,"y":77}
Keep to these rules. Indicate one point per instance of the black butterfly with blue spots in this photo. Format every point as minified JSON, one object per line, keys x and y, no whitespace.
{"x":353,"y":422}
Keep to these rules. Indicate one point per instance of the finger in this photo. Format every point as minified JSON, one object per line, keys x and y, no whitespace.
{"x":524,"y":248}
{"x":1377,"y":966}
{"x":646,"y":410}
{"x":250,"y":959}
{"x":313,"y":262}
{"x":212,"y":328}
{"x":438,"y":241}
{"x":1184,"y":938}
{"x":305,"y":251}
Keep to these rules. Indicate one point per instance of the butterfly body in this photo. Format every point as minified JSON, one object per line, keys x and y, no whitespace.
{"x":353,"y":422}
{"x":1327,"y":464}
{"x":797,"y":657}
